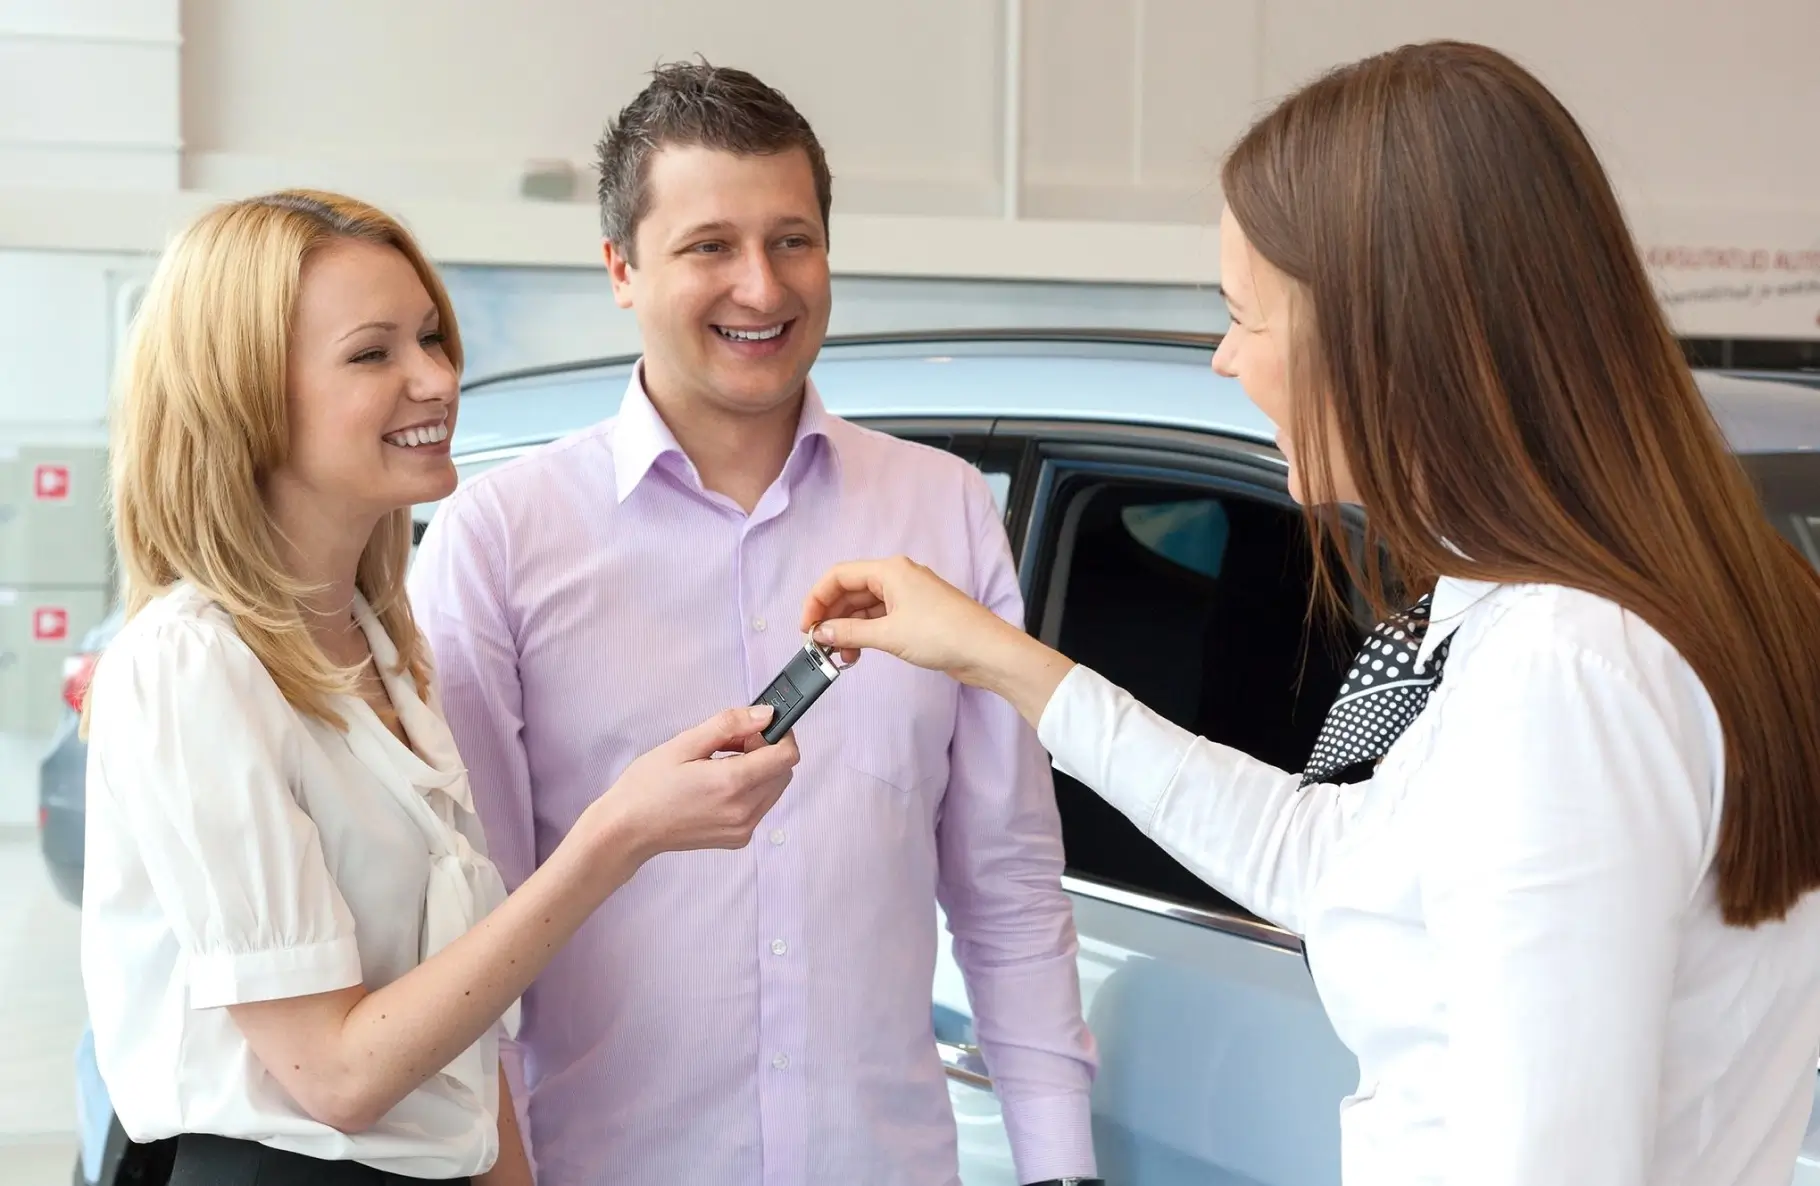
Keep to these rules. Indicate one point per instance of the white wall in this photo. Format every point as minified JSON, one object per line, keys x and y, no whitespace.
{"x":60,"y":318}
{"x":88,"y":93}
{"x":1126,"y":104}
{"x":1106,"y":118}
{"x":1693,"y":103}
{"x":428,"y":96}
{"x":1703,"y":112}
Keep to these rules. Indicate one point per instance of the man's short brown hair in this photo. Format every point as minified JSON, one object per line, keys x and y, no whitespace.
{"x":698,"y":105}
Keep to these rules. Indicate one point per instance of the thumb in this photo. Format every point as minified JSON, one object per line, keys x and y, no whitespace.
{"x":725,"y":730}
{"x":854,"y":634}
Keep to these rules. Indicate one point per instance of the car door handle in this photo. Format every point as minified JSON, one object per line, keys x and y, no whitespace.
{"x":963,"y":1064}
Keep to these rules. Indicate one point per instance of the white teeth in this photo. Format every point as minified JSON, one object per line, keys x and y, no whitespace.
{"x":750,"y":335}
{"x":411,"y":438}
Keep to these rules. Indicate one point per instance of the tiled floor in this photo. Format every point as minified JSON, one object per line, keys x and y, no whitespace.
{"x":41,"y":1018}
{"x":38,"y":1164}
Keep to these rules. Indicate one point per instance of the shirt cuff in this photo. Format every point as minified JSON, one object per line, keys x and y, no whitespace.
{"x":1051,"y":1137}
{"x":240,"y":978}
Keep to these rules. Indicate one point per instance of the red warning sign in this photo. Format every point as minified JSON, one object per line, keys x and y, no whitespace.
{"x":51,"y":482}
{"x":50,"y":624}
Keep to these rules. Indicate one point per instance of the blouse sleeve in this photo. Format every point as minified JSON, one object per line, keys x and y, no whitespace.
{"x":1241,"y":825}
{"x":189,"y":754}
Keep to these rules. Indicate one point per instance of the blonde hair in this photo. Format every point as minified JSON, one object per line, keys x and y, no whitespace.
{"x":199,"y":422}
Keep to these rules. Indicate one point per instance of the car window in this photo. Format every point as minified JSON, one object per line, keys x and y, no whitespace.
{"x":1000,"y":483}
{"x":1191,"y":533}
{"x":1788,"y":484}
{"x":1195,"y":600}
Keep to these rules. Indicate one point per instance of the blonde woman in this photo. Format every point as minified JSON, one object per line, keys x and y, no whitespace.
{"x":297,"y":956}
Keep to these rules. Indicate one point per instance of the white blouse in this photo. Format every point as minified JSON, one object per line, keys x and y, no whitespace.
{"x":1513,"y":925}
{"x":238,"y":851}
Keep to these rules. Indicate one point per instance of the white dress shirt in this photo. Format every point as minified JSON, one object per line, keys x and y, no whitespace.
{"x":1513,"y":925}
{"x":239,"y":851}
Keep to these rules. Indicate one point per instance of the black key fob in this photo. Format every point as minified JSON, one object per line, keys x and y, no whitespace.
{"x":809,"y":673}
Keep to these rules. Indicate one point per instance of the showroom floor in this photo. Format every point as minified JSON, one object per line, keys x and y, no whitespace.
{"x":41,"y":1018}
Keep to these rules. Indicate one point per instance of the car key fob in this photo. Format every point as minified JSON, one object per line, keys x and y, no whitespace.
{"x":809,"y":673}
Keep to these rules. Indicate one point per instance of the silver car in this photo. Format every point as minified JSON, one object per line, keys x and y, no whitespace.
{"x":1145,"y":501}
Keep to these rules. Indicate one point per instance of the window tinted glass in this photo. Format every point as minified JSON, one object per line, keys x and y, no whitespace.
{"x":1191,"y":533}
{"x":1789,"y":486}
{"x":1194,"y":600}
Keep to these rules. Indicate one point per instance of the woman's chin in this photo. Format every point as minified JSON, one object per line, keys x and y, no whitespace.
{"x":1295,"y":485}
{"x":435,"y":486}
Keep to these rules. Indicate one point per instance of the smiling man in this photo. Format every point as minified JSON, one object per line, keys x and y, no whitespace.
{"x":760,"y":1016}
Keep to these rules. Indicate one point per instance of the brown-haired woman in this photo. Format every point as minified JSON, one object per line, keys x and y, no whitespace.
{"x":1553,"y":850}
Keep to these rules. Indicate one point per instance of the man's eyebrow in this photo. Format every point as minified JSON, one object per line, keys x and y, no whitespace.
{"x":704,"y":228}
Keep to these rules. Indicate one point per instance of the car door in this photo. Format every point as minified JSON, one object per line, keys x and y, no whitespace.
{"x":1175,"y":564}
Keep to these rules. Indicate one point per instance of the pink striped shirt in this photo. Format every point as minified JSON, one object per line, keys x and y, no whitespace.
{"x":762,"y":1015}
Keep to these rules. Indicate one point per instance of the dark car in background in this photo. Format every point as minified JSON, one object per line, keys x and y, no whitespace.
{"x":62,"y":774}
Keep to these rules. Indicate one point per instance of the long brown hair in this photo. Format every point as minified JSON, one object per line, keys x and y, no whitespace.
{"x":1476,"y":323}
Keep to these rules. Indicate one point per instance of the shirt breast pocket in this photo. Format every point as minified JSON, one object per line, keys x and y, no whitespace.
{"x":896,"y":722}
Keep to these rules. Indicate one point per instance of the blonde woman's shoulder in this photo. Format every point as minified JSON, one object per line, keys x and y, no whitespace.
{"x":179,"y":642}
{"x":181,"y":607}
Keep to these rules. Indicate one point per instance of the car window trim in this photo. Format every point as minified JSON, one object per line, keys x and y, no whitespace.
{"x":964,"y":1064}
{"x":1251,"y":466}
{"x":1176,"y":457}
{"x":1037,"y":567}
{"x":1254,"y":929}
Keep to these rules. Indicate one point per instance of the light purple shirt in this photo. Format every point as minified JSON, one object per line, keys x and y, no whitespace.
{"x":761,"y":1015}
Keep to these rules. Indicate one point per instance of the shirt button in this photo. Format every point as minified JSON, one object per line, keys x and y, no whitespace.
{"x":781,"y":1062}
{"x":778,"y":947}
{"x":758,"y":623}
{"x":777,"y":835}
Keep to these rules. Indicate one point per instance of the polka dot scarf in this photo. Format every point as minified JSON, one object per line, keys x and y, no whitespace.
{"x":1384,"y":690}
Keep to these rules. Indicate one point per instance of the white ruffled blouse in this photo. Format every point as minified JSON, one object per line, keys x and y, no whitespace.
{"x":238,"y":851}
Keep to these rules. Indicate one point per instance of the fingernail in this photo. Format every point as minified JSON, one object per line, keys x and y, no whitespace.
{"x":823,"y":634}
{"x":760,"y":713}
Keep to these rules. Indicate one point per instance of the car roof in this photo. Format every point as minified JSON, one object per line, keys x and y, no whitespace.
{"x":1159,"y":379}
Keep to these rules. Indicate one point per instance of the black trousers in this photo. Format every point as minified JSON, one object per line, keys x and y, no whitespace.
{"x":227,"y":1161}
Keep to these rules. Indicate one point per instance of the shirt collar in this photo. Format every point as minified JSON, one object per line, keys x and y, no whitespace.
{"x":640,"y":436}
{"x":1453,"y":596}
{"x":431,"y":761}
